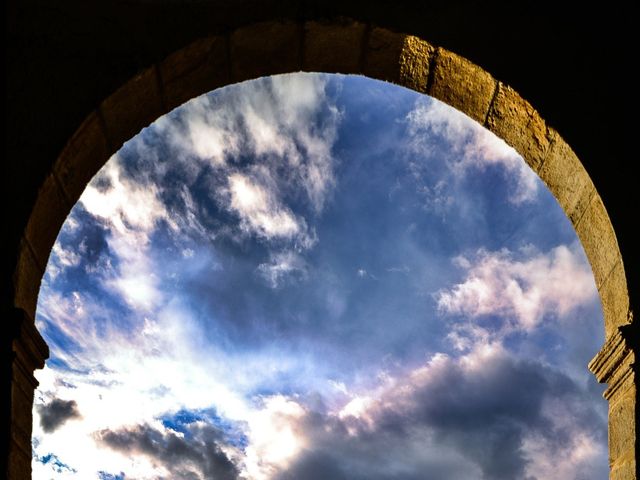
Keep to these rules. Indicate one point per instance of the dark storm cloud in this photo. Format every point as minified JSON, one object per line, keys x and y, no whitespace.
{"x":453,"y":423}
{"x":57,"y":412}
{"x":197,"y":455}
{"x":377,"y":455}
{"x":486,"y":416}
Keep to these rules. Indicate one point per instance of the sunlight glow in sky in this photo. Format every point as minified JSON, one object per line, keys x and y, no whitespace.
{"x":318,"y":277}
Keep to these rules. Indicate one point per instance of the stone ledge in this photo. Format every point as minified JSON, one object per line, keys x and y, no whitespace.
{"x":27,"y":341}
{"x":614,"y":363}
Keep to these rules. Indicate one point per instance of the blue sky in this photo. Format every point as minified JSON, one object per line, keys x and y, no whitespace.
{"x":318,"y":277}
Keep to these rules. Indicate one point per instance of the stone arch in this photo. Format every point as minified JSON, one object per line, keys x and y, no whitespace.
{"x":349,"y":47}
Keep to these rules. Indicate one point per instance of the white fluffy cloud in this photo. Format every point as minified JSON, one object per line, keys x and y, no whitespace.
{"x":131,"y":212}
{"x":261,"y":212}
{"x":260,"y":147}
{"x":125,"y":204}
{"x":475,"y":146}
{"x":276,"y":437}
{"x":524,"y":290}
{"x":273,"y":121}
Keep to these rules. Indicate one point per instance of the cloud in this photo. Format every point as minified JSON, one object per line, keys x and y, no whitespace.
{"x":399,"y":269}
{"x":286,"y":122}
{"x":363,"y":273}
{"x":201,"y":456}
{"x":197,"y":449}
{"x":261,"y":212}
{"x":73,"y":324}
{"x":62,"y":258}
{"x":485,"y":415}
{"x":271,"y":143}
{"x":131,"y":211}
{"x":281,"y":266}
{"x":255,"y":150}
{"x":523,"y":289}
{"x":474,"y":147}
{"x":55,"y":413}
{"x":125,"y":204}
{"x":151,"y":369}
{"x":275,"y":436}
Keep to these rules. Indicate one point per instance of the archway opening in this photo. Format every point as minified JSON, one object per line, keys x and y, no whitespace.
{"x":476,"y":371}
{"x":338,"y":45}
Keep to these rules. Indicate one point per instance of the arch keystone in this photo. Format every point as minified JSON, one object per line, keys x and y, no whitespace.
{"x":382,"y":57}
{"x":266,"y":48}
{"x":331,"y":47}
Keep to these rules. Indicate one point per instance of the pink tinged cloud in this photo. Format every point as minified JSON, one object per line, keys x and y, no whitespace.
{"x":527,"y":290}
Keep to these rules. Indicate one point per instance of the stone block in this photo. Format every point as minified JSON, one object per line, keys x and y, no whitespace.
{"x":18,"y":464}
{"x":82,"y":157}
{"x":415,"y":62}
{"x":622,"y":423}
{"x":27,"y":278}
{"x":266,"y":48}
{"x":463,"y":85}
{"x":515,"y":121}
{"x":196,"y":69}
{"x":567,"y":179}
{"x":625,"y":470}
{"x":333,"y":48}
{"x":382,"y":56}
{"x":598,"y":239}
{"x":22,"y":406}
{"x":46,"y":219}
{"x":134,"y":106}
{"x":615,"y":299}
{"x":23,"y":368}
